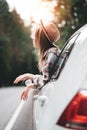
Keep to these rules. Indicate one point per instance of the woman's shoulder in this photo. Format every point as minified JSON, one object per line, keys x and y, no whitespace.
{"x":54,"y":50}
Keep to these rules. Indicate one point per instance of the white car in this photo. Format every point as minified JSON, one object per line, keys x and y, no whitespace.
{"x":62,"y":104}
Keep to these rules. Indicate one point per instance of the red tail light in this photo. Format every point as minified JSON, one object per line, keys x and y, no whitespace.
{"x":75,"y":115}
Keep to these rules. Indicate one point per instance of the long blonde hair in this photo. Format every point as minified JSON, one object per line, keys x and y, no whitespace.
{"x":44,"y":44}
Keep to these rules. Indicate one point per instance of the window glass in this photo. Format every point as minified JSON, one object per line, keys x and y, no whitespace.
{"x":65,"y":52}
{"x":71,"y":41}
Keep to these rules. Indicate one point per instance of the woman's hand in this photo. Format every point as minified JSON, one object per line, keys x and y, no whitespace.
{"x":23,"y":77}
{"x":24,"y":94}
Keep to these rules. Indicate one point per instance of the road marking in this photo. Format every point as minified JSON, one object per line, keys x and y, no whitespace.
{"x":14,"y":117}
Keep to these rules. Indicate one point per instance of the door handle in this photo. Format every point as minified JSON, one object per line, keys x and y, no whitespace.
{"x":42,"y":99}
{"x":35,"y":97}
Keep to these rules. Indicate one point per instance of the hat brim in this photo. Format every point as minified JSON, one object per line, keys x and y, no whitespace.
{"x":45,"y":32}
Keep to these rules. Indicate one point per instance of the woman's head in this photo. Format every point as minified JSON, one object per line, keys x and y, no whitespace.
{"x":51,"y":31}
{"x":45,"y":37}
{"x":41,"y":42}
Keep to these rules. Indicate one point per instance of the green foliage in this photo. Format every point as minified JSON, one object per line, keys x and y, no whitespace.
{"x":4,"y":58}
{"x":79,"y":10}
{"x":74,"y":15}
{"x":16,"y":50}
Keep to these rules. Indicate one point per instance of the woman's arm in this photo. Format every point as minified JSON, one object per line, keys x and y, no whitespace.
{"x":24,"y":77}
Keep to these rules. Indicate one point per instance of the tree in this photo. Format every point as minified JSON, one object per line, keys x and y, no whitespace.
{"x":79,"y":8}
{"x":15,"y":45}
{"x":71,"y":15}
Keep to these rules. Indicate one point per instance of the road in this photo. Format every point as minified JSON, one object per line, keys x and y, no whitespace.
{"x":15,"y":114}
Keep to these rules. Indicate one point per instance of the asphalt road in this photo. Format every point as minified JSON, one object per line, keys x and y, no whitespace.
{"x":10,"y":104}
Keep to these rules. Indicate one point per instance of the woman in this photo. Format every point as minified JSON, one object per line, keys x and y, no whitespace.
{"x":44,"y":40}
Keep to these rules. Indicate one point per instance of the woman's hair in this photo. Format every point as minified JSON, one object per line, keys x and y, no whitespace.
{"x":43,"y":44}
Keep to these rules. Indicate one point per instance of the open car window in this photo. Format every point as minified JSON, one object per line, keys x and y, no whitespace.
{"x":65,"y":52}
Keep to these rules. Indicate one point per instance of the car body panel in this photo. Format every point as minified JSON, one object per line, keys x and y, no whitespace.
{"x":56,"y":95}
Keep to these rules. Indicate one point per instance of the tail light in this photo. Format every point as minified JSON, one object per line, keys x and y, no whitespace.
{"x":75,"y":115}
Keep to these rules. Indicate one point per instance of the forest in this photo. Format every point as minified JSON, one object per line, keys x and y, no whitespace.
{"x":17,"y":55}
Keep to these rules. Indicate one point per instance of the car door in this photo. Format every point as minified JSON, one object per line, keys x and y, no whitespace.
{"x":44,"y":99}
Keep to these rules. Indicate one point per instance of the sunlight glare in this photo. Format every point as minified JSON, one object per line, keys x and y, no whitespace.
{"x":42,"y":10}
{"x":34,"y":9}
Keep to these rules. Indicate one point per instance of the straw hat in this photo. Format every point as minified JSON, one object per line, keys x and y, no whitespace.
{"x":51,"y":31}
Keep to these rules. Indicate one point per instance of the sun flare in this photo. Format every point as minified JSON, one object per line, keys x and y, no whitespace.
{"x":42,"y":10}
{"x":34,"y":9}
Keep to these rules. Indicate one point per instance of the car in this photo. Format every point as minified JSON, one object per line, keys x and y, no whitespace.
{"x":62,"y":103}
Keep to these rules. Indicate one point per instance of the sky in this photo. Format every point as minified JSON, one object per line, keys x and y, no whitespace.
{"x":33,"y":8}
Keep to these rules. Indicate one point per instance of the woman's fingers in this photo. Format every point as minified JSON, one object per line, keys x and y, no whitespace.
{"x":18,"y":79}
{"x":24,"y":96}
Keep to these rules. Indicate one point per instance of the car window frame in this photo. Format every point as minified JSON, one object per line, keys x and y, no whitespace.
{"x":66,"y":52}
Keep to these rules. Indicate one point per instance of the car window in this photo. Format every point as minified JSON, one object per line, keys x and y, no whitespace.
{"x":66,"y":50}
{"x":70,"y":42}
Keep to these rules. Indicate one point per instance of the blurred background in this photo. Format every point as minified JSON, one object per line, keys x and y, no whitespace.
{"x":17,"y":17}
